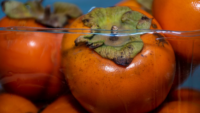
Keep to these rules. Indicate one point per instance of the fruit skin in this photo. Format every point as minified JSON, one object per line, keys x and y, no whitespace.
{"x":180,"y":107}
{"x":132,"y":3}
{"x":177,"y":14}
{"x":180,"y":15}
{"x":186,"y":48}
{"x":10,"y":103}
{"x":185,"y":94}
{"x":101,"y":86}
{"x":30,"y":61}
{"x":63,"y":104}
{"x":183,"y":100}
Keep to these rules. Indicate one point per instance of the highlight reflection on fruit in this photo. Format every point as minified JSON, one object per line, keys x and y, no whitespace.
{"x":117,"y":73}
{"x":31,"y":61}
{"x":180,"y":15}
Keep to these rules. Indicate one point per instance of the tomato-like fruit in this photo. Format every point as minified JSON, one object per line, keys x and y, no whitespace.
{"x":30,"y":61}
{"x":10,"y":103}
{"x":183,"y":100}
{"x":180,"y":15}
{"x":132,"y":3}
{"x":103,"y":86}
{"x":185,"y":94}
{"x":180,"y":107}
{"x":63,"y":104}
{"x":177,"y":14}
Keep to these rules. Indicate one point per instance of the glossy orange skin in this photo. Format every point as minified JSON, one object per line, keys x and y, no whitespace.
{"x":64,"y":104}
{"x":30,"y":61}
{"x":180,"y":107}
{"x":101,"y":86}
{"x":186,"y":49}
{"x":180,"y":15}
{"x":185,"y":94}
{"x":177,"y":14}
{"x":10,"y":103}
{"x":132,"y":3}
{"x":183,"y":100}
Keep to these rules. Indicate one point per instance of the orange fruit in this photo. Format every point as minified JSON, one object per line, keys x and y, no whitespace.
{"x":25,"y":68}
{"x":101,"y":85}
{"x":64,"y":104}
{"x":183,"y":100}
{"x":10,"y":103}
{"x":185,"y":94}
{"x":180,"y":107}
{"x":132,"y":3}
{"x":178,"y":15}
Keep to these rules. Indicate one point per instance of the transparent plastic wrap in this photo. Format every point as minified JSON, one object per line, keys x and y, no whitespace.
{"x":91,"y":70}
{"x":31,"y":65}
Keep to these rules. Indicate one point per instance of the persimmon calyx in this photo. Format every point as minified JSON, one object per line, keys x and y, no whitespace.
{"x":59,"y":17}
{"x":146,"y":4}
{"x":15,"y":9}
{"x":119,"y":48}
{"x":34,"y":9}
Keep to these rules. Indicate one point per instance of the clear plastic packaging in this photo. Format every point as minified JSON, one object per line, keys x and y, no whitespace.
{"x":48,"y":68}
{"x":31,"y":59}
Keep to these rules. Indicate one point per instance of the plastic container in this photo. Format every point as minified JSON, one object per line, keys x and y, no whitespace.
{"x":31,"y":66}
{"x":31,"y":56}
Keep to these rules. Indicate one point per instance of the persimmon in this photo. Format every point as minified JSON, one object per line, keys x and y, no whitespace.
{"x":110,"y":77}
{"x":31,"y":61}
{"x":184,"y":100}
{"x":10,"y":103}
{"x":185,"y":94}
{"x":132,"y":3}
{"x":179,"y":15}
{"x":63,"y":104}
{"x":179,"y":107}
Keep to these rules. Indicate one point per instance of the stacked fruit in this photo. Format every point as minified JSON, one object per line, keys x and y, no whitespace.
{"x":97,"y":70}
